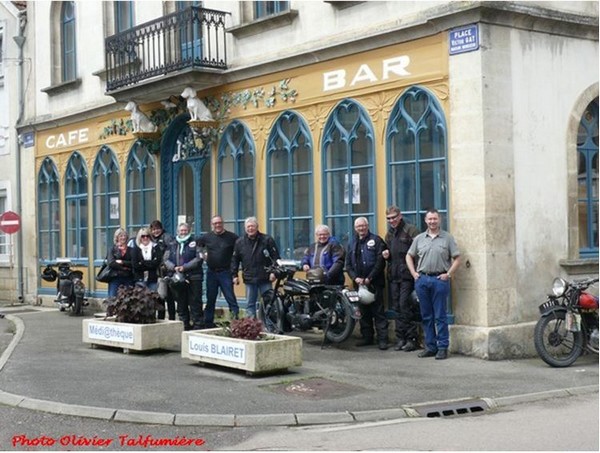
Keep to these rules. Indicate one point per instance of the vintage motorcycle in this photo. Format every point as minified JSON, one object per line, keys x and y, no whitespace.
{"x":296,"y":304}
{"x":70,"y":286}
{"x":569,"y":323}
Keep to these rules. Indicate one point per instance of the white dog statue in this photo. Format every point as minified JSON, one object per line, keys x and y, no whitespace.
{"x":139,"y":120}
{"x":198,"y":111}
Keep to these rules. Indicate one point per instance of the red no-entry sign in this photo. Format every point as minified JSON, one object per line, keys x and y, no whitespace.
{"x":10,"y":222}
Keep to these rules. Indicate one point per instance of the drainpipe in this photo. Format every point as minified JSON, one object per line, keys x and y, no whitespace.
{"x":20,"y":41}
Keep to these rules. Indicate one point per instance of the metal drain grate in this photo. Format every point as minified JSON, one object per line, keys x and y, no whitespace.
{"x":452,"y":408}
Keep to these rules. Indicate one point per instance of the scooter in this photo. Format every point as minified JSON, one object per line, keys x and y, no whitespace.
{"x":70,"y":287}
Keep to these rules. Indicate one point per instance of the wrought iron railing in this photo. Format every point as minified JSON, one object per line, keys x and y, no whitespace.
{"x":191,"y":38}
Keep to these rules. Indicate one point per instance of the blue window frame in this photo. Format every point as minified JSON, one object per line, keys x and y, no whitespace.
{"x":48,"y":211}
{"x":191,"y":31}
{"x":416,"y":153}
{"x":141,"y":187}
{"x":264,"y":9}
{"x":587,"y":179}
{"x":289,"y":190}
{"x":124,"y":19}
{"x":76,"y":204}
{"x":105,"y":178}
{"x":349,"y":169}
{"x":236,"y":176}
{"x":68,"y":44}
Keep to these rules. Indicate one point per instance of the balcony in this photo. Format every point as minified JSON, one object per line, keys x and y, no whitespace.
{"x":161,"y":57}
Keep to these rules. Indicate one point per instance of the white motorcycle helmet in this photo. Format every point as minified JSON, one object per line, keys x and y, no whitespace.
{"x":366,"y":297}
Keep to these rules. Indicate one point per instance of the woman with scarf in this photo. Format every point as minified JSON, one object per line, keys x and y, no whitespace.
{"x":119,"y":259}
{"x":146,"y":260}
{"x":185,"y":256}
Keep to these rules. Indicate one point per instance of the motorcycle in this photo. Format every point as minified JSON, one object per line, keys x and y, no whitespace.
{"x":296,"y":304}
{"x":569,"y":323}
{"x":70,"y":286}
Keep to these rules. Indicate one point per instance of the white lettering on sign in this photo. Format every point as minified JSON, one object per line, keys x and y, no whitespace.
{"x":120,"y":334}
{"x":69,"y":138}
{"x":217,"y":349}
{"x":397,"y":66}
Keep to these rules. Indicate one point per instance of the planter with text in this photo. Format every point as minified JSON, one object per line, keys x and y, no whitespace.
{"x":277,"y":353}
{"x":138,"y":337}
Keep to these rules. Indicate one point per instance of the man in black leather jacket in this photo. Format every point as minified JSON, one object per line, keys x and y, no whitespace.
{"x":249,"y":251}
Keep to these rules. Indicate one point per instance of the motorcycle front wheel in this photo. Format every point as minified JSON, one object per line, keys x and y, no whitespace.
{"x":555,"y":344}
{"x":272,"y":316}
{"x":340,"y":321}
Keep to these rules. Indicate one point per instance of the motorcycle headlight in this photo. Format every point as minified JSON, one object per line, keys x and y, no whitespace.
{"x":559,"y":286}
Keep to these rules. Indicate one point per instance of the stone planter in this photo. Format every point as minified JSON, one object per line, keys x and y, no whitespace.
{"x":255,"y":357}
{"x":138,"y":337}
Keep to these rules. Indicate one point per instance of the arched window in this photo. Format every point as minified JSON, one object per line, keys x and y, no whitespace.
{"x":107,"y":212}
{"x":68,"y":42}
{"x":349,"y":169}
{"x":236,"y":176}
{"x":76,"y":201}
{"x":141,"y":187}
{"x":416,"y":155}
{"x":587,"y":180}
{"x":289,"y":173}
{"x":48,"y":211}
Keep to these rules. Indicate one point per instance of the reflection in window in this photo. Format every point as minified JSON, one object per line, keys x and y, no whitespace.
{"x":587,"y":179}
{"x":76,"y":197}
{"x":141,"y":188}
{"x":69,"y":50}
{"x":236,"y":176}
{"x":264,"y":9}
{"x":349,"y":169}
{"x":416,"y":147}
{"x":289,"y":172}
{"x":106,"y":201}
{"x":48,"y":211}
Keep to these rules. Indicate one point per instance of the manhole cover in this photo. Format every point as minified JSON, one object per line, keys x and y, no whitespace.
{"x":316,"y":389}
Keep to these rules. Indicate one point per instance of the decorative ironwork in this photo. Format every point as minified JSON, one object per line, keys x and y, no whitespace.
{"x":191,"y":38}
{"x":189,"y":147}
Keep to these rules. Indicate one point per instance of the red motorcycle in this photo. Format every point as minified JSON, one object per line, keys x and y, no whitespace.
{"x":569,"y":323}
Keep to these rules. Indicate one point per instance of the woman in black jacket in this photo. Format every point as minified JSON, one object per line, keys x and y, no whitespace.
{"x":119,"y":259}
{"x":147,"y":259}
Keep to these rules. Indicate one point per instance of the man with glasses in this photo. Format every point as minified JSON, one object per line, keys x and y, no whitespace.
{"x":218,"y":250}
{"x":401,"y":283}
{"x":327,"y":254}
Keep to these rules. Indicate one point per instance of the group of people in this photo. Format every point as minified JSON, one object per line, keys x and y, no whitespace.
{"x":423,"y":262}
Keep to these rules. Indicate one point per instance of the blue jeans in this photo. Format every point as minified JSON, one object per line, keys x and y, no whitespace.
{"x":252,"y":291}
{"x":114,"y":284}
{"x":433,"y":296}
{"x":214,"y":281}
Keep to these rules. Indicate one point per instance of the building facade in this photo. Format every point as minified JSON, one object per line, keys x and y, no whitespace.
{"x":323,"y":112}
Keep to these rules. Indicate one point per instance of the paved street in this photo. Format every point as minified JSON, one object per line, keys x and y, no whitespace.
{"x":358,"y":390}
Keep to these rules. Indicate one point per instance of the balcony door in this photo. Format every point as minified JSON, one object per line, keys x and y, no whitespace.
{"x":190,"y":34}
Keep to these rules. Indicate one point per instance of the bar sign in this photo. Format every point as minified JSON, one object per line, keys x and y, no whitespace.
{"x":464,"y":39}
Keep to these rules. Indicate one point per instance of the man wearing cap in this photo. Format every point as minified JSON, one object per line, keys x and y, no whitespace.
{"x":366,"y":266}
{"x":438,"y":258}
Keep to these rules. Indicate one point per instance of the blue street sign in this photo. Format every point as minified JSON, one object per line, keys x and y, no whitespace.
{"x":463,"y":39}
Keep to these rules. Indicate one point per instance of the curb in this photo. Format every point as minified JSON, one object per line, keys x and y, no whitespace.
{"x":233,"y":420}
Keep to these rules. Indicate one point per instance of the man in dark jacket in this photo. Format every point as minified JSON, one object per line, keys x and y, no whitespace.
{"x":249,"y":250}
{"x":218,"y":246}
{"x":399,"y":238}
{"x":327,"y":254}
{"x":185,"y":257}
{"x":366,"y":266}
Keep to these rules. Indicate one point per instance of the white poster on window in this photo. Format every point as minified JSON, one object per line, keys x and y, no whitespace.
{"x":114,"y":208}
{"x":355,"y":189}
